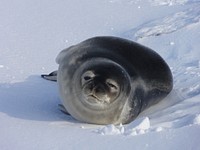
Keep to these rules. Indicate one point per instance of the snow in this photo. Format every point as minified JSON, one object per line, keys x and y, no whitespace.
{"x":34,"y":32}
{"x":171,"y":2}
{"x":139,"y":126}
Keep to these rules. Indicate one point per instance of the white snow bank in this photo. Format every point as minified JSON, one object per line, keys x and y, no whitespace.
{"x":171,"y":2}
{"x":142,"y":126}
{"x":139,"y":126}
{"x":168,"y":24}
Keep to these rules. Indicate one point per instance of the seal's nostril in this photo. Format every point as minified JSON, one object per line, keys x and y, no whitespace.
{"x":99,"y":90}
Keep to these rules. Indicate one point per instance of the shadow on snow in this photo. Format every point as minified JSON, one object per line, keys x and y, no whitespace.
{"x":33,"y":99}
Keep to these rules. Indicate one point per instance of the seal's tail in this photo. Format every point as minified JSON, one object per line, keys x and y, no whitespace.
{"x":52,"y":76}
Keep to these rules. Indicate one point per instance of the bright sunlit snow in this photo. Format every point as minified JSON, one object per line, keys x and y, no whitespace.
{"x":32,"y":33}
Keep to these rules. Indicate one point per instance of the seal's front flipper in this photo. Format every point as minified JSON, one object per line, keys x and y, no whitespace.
{"x":62,"y":108}
{"x":52,"y":76}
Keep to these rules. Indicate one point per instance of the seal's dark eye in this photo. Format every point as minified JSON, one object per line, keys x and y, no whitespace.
{"x":112,"y":84}
{"x":87,"y":78}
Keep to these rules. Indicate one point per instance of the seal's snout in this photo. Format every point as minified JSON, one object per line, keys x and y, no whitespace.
{"x":99,"y":90}
{"x":101,"y":93}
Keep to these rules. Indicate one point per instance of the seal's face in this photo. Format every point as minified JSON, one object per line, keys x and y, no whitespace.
{"x":98,"y":88}
{"x":98,"y":91}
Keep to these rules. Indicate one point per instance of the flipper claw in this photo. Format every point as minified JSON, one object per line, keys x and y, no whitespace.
{"x":52,"y":76}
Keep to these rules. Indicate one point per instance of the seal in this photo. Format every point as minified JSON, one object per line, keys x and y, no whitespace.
{"x":110,"y":80}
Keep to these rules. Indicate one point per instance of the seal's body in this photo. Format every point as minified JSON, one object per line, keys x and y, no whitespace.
{"x":110,"y":80}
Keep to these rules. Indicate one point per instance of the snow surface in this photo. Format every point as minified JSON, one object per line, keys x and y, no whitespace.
{"x":34,"y":32}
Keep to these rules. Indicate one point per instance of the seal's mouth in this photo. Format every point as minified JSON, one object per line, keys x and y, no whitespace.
{"x":104,"y":99}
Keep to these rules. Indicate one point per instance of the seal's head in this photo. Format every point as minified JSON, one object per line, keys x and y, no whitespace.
{"x":100,"y":89}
